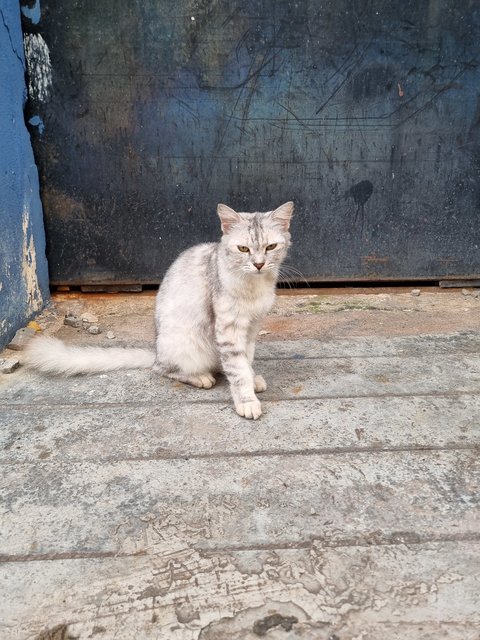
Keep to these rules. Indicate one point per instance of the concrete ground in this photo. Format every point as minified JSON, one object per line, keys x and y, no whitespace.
{"x":134,"y":507}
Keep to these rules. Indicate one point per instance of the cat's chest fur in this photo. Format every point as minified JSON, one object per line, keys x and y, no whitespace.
{"x":252,"y":302}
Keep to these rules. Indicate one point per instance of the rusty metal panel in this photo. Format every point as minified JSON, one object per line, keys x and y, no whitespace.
{"x":365,"y":113}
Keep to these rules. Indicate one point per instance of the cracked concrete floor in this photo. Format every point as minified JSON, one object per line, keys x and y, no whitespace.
{"x":134,"y":507}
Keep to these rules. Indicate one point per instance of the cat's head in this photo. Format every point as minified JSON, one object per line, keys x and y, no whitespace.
{"x":256,"y":243}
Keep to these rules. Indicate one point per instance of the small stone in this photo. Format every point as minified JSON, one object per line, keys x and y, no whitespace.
{"x":74,"y":310}
{"x":89,"y":318}
{"x":415,"y":292}
{"x":313,"y":512}
{"x":94,"y":329}
{"x":21,"y":338}
{"x":466,"y":292}
{"x":73,"y":321}
{"x":8,"y":365}
{"x":110,"y":335}
{"x":263,"y":332}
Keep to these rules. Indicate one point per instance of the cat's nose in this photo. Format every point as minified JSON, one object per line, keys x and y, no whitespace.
{"x":259,"y":265}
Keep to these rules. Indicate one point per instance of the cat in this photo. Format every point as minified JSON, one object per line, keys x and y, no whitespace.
{"x":208,"y":312}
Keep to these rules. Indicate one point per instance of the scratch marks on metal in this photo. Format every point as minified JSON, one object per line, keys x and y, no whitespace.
{"x":354,"y":63}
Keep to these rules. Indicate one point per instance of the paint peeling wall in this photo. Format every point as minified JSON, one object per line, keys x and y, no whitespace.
{"x":23,"y":265}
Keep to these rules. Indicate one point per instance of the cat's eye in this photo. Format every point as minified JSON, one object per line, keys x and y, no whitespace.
{"x":243,"y":249}
{"x":270,"y":247}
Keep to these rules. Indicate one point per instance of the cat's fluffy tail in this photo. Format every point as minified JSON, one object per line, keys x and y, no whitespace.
{"x":51,"y":355}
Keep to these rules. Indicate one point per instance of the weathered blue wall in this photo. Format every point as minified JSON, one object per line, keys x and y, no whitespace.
{"x":23,"y":265}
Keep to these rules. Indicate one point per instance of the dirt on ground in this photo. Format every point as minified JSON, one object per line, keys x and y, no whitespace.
{"x":300,"y":313}
{"x":384,"y":312}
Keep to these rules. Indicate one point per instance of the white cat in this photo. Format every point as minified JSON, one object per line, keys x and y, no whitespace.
{"x":208,"y":312}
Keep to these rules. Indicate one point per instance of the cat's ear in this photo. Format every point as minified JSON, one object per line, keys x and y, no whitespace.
{"x":228,"y":217}
{"x":282,"y":215}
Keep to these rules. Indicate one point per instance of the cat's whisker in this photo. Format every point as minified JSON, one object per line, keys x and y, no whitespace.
{"x":289,"y":273}
{"x":287,"y":284}
{"x":287,"y":267}
{"x":287,"y":270}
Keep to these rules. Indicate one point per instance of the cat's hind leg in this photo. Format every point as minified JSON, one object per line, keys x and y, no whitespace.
{"x":184,"y":353}
{"x":200,"y":380}
{"x":260,"y":384}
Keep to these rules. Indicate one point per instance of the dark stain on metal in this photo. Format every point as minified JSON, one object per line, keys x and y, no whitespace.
{"x":360,"y":193}
{"x":260,"y":627}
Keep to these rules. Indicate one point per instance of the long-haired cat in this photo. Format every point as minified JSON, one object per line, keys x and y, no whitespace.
{"x":208,"y":312}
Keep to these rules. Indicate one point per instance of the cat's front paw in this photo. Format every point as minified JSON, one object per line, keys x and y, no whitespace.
{"x":251,"y":410}
{"x":260,"y":384}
